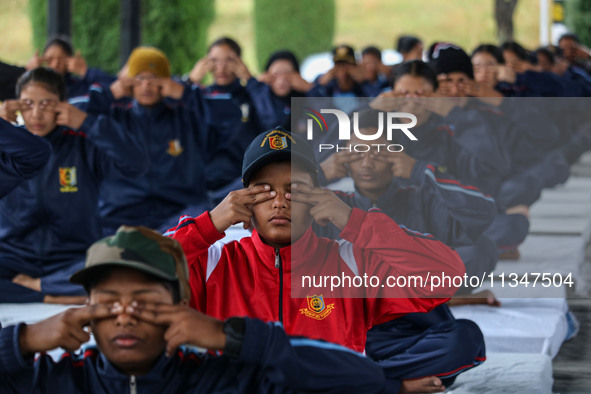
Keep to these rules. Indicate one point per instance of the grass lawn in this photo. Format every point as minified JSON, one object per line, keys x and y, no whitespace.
{"x":359,"y":23}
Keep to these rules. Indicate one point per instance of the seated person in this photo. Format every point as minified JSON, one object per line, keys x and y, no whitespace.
{"x":522,"y":79}
{"x":281,"y":199}
{"x":415,"y":193}
{"x":22,"y":154}
{"x":271,"y":94}
{"x":376,"y":74}
{"x":418,"y":195}
{"x":575,"y":53}
{"x":166,"y":119}
{"x":48,"y":221}
{"x":232,"y":118}
{"x":410,"y":47}
{"x":59,"y":55}
{"x":343,"y":81}
{"x":482,"y":132}
{"x":137,"y":310}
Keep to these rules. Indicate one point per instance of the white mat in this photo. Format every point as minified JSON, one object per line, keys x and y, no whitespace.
{"x":29,"y":313}
{"x":572,"y":191}
{"x":507,"y":373}
{"x":559,"y":225}
{"x":564,"y":210}
{"x":520,"y":325}
{"x":577,"y":183}
{"x":547,"y":254}
{"x":11,"y":314}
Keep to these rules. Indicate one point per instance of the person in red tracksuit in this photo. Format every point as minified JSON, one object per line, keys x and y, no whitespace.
{"x":259,"y":276}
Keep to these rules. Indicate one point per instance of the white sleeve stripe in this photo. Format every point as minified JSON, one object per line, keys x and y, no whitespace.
{"x":454,"y":188}
{"x":346,"y":253}
{"x":214,"y":253}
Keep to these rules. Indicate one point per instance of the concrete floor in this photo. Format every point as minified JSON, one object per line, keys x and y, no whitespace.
{"x":572,"y":365}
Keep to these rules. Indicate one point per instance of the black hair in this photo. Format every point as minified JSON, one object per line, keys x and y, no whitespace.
{"x":283,"y":55}
{"x":570,"y":36}
{"x":416,"y":68}
{"x":517,"y":49}
{"x":372,"y":50}
{"x":62,"y":41}
{"x":368,"y":119}
{"x":406,"y":44}
{"x":53,"y":81}
{"x":492,"y":50}
{"x":547,"y":53}
{"x":101,"y":274}
{"x":233,"y":45}
{"x":307,"y":167}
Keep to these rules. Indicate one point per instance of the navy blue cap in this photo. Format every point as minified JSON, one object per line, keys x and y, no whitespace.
{"x":447,"y":58}
{"x":276,"y":145}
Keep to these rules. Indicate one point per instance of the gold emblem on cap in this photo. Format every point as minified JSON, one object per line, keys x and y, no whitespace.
{"x":277,"y":139}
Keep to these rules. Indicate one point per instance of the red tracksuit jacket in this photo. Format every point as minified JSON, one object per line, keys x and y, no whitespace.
{"x":251,"y":278}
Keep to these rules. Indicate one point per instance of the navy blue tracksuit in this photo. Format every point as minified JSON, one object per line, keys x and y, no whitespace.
{"x":22,"y":156}
{"x":172,"y":135}
{"x":533,"y":84}
{"x":346,"y":101}
{"x":434,"y":341}
{"x":269,"y":362}
{"x":48,"y":222}
{"x":77,"y":87}
{"x":465,"y":144}
{"x":577,"y":82}
{"x":232,"y":123}
{"x":271,"y":109}
{"x":529,"y":136}
{"x":373,"y":89}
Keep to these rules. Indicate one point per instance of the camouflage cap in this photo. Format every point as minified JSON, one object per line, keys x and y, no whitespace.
{"x":139,"y":248}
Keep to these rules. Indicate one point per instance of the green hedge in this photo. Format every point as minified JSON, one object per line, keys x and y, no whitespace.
{"x":578,"y":19}
{"x":178,"y":27}
{"x":38,"y":17}
{"x":302,"y":26}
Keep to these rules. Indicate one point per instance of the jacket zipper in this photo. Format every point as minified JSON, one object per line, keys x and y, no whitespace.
{"x":279,"y":265}
{"x":43,"y":226}
{"x":132,"y":385}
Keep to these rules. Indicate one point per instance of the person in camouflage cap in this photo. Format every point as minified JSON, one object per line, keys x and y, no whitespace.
{"x":138,"y":312}
{"x":142,"y":249}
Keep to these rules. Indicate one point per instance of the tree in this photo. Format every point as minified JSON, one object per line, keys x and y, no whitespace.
{"x":504,"y":17}
{"x":302,"y":26}
{"x":578,"y":19}
{"x":178,"y":27}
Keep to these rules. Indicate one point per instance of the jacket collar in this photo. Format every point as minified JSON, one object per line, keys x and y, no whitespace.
{"x":385,"y":200}
{"x":231,"y":88}
{"x":158,"y":373}
{"x":142,"y":111}
{"x":56,"y":133}
{"x":304,"y":248}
